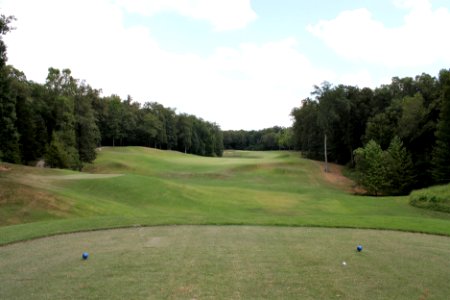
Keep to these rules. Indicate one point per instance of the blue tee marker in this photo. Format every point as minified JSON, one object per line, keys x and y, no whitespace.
{"x":359,"y":248}
{"x":85,"y":255}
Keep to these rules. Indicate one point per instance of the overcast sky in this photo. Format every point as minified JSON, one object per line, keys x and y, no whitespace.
{"x":240,"y":63}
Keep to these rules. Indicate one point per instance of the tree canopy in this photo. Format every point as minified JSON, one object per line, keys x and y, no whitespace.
{"x":407,"y":119}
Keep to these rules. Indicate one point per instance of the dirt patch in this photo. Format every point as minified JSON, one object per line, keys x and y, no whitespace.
{"x":4,"y":168}
{"x":336,"y":178}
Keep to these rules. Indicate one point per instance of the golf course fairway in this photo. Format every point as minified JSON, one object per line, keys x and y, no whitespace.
{"x":248,"y":225}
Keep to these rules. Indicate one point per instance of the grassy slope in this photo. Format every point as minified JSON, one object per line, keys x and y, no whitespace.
{"x":231,"y":262}
{"x":435,"y":198}
{"x":163,"y":187}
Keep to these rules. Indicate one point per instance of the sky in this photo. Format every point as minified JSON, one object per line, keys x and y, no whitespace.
{"x":243,"y":64}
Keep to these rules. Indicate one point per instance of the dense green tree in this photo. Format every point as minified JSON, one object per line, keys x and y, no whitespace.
{"x":270,"y":141}
{"x":412,"y":115}
{"x":333,"y":118}
{"x":307,"y":133}
{"x":400,"y":176}
{"x":273,"y":138}
{"x":217,"y":140}
{"x":114,"y":114}
{"x":9,"y":136}
{"x":61,"y":90}
{"x":128,"y":121}
{"x":64,"y":133}
{"x":441,"y":151}
{"x":148,"y":125}
{"x":58,"y":155}
{"x":30,"y":149}
{"x":326,"y":115}
{"x":184,"y":132}
{"x":171,"y":128}
{"x":385,"y":172}
{"x":382,"y":127}
{"x":86,"y":129}
{"x":286,"y":139}
{"x":371,"y":168}
{"x":161,"y":137}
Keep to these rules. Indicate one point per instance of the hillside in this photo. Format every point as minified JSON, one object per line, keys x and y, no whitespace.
{"x":142,"y":186}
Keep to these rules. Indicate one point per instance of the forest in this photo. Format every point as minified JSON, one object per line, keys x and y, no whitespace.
{"x":64,"y":120}
{"x":396,"y":136}
{"x":275,"y":138}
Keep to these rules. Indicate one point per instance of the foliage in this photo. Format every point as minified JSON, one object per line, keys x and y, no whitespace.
{"x":306,"y":131}
{"x":275,"y":138}
{"x":400,"y":177}
{"x":385,"y":172}
{"x":59,"y":155}
{"x":441,"y":151}
{"x":371,"y":168}
{"x":434,"y":198}
{"x":9,"y":136}
{"x":413,"y":109}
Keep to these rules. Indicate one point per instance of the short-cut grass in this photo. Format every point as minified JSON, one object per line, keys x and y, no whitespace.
{"x":281,"y":258}
{"x":228,"y":262}
{"x":141,"y":186}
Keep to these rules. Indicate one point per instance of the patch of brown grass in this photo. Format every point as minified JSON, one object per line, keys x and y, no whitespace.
{"x":21,"y":203}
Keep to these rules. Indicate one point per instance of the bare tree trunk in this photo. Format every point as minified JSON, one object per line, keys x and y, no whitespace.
{"x":327,"y":169}
{"x":113,"y":141}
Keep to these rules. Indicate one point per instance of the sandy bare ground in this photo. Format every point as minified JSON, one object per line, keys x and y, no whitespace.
{"x":336,"y":178}
{"x":4,"y":168}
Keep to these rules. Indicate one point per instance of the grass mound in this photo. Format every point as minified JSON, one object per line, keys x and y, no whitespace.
{"x":135,"y":185}
{"x":435,"y":198}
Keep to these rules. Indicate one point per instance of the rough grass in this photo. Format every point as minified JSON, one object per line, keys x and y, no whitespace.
{"x":434,"y":198}
{"x":162,"y":187}
{"x":231,"y":262}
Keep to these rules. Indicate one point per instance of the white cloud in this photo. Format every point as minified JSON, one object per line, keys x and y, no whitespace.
{"x":250,"y":86}
{"x":421,"y":40}
{"x":361,"y":78}
{"x":222,"y":14}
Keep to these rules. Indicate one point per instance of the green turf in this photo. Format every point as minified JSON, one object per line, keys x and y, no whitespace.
{"x":434,"y":198}
{"x":228,"y":262}
{"x":136,"y":187}
{"x":155,"y":187}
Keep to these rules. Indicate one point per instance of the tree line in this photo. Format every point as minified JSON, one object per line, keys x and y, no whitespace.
{"x":275,"y":138}
{"x":396,"y":136}
{"x":64,"y":120}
